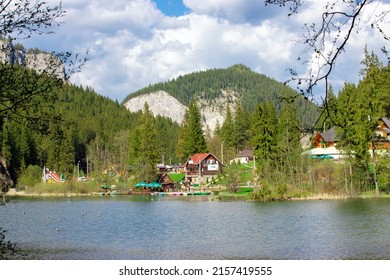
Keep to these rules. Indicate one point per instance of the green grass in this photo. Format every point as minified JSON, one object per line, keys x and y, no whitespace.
{"x":63,"y":188}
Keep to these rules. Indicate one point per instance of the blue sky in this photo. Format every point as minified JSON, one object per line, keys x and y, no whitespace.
{"x":133,"y":43}
{"x":171,"y":7}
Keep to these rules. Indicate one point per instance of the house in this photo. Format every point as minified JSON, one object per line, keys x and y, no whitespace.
{"x":382,"y":134}
{"x":202,"y":167}
{"x":171,"y":181}
{"x":325,"y":145}
{"x":325,"y":139}
{"x":243,"y":157}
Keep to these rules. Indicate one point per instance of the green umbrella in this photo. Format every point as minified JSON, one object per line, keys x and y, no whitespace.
{"x":154,"y":185}
{"x":325,"y":156}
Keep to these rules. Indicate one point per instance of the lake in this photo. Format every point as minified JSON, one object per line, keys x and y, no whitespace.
{"x":143,"y":227}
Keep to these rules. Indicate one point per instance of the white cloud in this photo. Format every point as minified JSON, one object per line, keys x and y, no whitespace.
{"x":133,"y":44}
{"x":237,"y":11}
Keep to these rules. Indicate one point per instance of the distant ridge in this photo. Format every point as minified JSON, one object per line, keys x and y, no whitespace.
{"x":214,"y":89}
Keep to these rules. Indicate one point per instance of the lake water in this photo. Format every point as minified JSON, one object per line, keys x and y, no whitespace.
{"x":140,"y":227}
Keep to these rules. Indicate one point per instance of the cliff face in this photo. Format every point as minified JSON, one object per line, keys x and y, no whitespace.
{"x":160,"y":103}
{"x":163,"y":104}
{"x":48,"y":63}
{"x":40,"y":62}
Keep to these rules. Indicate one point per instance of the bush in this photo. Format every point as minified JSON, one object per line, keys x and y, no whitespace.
{"x":383,"y":174}
{"x":31,"y":176}
{"x":8,"y":250}
{"x":263,"y":194}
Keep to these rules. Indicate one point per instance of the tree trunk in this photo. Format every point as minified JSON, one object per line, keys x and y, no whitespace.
{"x":5,"y":179}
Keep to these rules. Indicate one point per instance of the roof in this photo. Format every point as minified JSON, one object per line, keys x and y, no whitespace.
{"x":330,"y":135}
{"x":386,"y":121}
{"x":177,"y":177}
{"x":198,"y":158}
{"x":245,"y":153}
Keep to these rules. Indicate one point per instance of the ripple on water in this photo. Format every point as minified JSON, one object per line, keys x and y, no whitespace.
{"x":122,"y":228}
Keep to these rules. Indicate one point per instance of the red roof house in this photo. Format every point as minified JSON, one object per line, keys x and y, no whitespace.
{"x":199,"y":167}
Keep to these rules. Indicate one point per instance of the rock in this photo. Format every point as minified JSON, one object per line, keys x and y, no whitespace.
{"x":162,"y":103}
{"x":47,"y":63}
{"x":41,"y":62}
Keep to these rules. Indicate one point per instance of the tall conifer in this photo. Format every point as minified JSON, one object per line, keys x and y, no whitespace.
{"x":264,"y":127}
{"x":194,"y":139}
{"x":148,"y":149}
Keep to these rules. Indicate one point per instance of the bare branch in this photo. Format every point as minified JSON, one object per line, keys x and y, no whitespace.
{"x":293,"y":4}
{"x":21,"y":18}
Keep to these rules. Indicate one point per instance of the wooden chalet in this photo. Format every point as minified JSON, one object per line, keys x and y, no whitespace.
{"x":324,"y":145}
{"x":325,"y":139}
{"x":171,"y":182}
{"x":382,"y":134}
{"x":199,"y":167}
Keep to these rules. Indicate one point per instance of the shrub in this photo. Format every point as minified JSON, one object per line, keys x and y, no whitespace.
{"x":31,"y":176}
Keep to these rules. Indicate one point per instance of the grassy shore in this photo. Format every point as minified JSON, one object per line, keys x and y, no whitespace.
{"x":59,"y":189}
{"x":219,"y":192}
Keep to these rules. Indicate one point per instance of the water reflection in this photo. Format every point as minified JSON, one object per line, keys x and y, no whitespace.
{"x":137,"y":227}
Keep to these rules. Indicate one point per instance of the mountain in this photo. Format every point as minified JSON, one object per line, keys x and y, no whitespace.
{"x":35,"y":59}
{"x":213,"y":90}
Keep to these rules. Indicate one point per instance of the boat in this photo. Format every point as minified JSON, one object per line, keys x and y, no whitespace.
{"x":179,"y":193}
{"x":199,"y":193}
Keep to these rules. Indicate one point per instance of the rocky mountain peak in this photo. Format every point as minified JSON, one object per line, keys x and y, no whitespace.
{"x":163,"y":104}
{"x":41,"y":62}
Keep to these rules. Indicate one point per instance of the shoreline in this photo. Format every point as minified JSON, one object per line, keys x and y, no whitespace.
{"x":322,"y":196}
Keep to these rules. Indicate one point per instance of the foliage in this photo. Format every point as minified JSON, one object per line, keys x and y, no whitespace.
{"x":325,"y":41}
{"x":8,"y":250}
{"x":242,"y":131}
{"x":232,"y":178}
{"x":288,"y":141}
{"x":191,"y":138}
{"x":31,"y":175}
{"x":89,"y":128}
{"x":147,"y":155}
{"x":264,"y":133}
{"x":383,"y":170}
{"x":253,"y":88}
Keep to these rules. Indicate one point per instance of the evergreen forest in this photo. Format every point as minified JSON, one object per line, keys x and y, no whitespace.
{"x":252,"y":87}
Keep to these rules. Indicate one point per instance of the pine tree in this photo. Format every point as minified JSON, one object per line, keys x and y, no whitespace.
{"x":372,"y":89}
{"x":134,"y":147}
{"x":66,"y":155}
{"x":180,"y":147}
{"x":354,"y":128}
{"x":289,"y":148}
{"x":228,"y":136}
{"x":148,"y":149}
{"x":329,"y":114}
{"x":264,"y":127}
{"x":241,"y":126}
{"x":26,"y":147}
{"x":227,"y":129}
{"x":194,"y":139}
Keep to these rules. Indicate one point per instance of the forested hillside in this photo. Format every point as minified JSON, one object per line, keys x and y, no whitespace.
{"x":65,"y":126}
{"x":253,"y":88}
